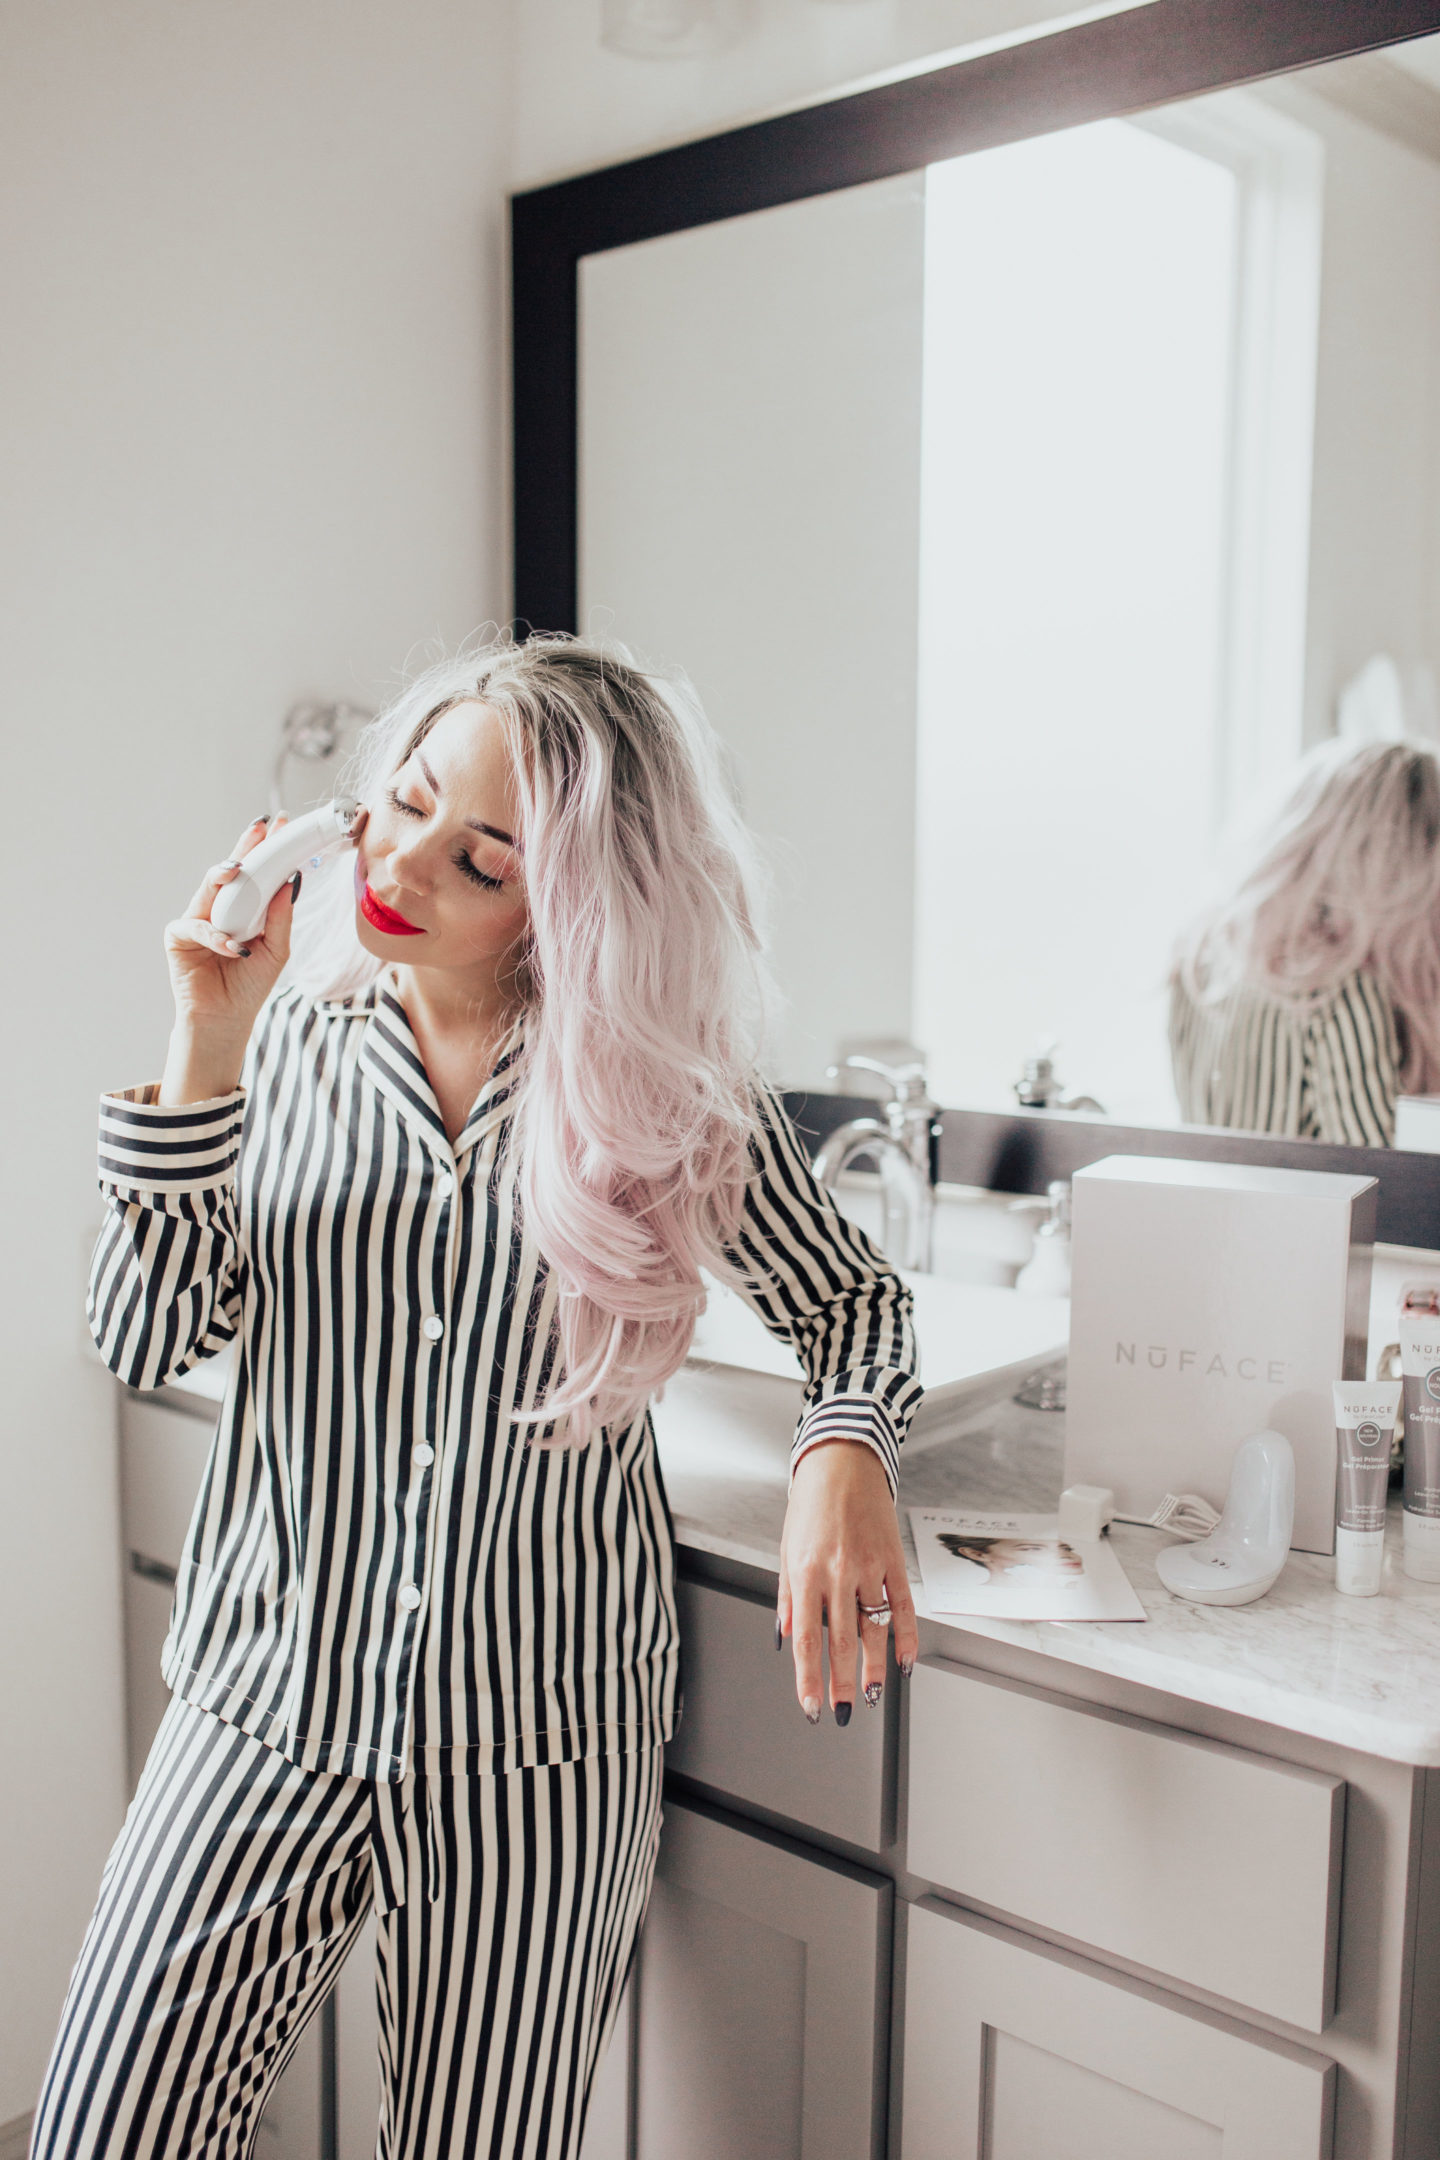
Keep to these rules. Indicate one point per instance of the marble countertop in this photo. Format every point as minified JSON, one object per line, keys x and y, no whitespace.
{"x":1362,"y":1672}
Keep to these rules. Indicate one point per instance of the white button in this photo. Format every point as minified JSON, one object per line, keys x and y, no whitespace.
{"x":424,"y":1455}
{"x":409,"y":1596}
{"x":434,"y":1327}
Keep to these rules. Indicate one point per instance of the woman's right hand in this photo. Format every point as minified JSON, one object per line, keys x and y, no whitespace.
{"x":220,"y":985}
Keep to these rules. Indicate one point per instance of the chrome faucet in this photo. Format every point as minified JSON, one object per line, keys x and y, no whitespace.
{"x":903,"y":1147}
{"x":1040,"y":1088}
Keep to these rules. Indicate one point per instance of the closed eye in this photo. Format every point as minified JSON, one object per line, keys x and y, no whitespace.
{"x":476,"y":877}
{"x":461,"y":860}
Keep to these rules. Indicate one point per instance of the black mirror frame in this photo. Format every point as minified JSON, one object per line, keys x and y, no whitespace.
{"x":1146,"y":56}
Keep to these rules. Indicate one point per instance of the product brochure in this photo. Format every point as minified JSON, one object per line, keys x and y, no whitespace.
{"x":1018,"y":1567}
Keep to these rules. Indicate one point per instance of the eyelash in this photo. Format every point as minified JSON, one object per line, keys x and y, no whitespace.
{"x":460,"y":859}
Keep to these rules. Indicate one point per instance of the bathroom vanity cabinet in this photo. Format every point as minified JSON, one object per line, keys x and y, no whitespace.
{"x":1121,"y":1925}
{"x":1025,"y":1907}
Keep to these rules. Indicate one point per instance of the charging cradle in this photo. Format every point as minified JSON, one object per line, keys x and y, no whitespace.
{"x":1246,"y":1550}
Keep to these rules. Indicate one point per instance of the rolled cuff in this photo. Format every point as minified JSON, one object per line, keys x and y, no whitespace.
{"x":148,"y":1149}
{"x":872,"y":1404}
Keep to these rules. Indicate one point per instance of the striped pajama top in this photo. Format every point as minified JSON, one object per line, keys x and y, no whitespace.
{"x":380,"y":1571}
{"x":1327,"y":1068}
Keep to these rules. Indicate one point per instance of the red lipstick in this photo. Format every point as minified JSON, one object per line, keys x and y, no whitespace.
{"x":385,"y":919}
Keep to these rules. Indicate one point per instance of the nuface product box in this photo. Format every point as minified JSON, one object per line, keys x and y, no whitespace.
{"x":1210,"y":1301}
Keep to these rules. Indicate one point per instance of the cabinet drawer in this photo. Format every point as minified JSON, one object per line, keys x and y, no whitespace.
{"x":147,"y":1622}
{"x":1201,"y":1861}
{"x":1013,"y":2053}
{"x":162,"y":1460}
{"x":743,"y":1732}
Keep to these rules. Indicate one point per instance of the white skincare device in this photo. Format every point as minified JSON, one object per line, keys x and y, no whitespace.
{"x":303,"y":844}
{"x":1247,"y":1548}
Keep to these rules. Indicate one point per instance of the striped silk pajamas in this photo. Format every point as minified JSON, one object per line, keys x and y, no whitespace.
{"x":383,"y":1573}
{"x":419,"y":1660}
{"x":1325,"y":1067}
{"x":507,"y":1905}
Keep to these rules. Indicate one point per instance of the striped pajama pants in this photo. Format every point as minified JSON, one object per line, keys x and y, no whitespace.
{"x":507,"y":1906}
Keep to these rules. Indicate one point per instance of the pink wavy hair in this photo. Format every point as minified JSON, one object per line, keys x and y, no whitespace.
{"x":647,"y":993}
{"x":1345,"y":876}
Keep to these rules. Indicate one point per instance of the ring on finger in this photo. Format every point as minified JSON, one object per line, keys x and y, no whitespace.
{"x":877,"y":1615}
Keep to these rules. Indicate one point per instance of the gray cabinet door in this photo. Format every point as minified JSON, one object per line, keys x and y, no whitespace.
{"x":147,"y":1601}
{"x":607,"y":2126}
{"x":291,"y":2127}
{"x":760,"y":1997}
{"x":357,"y":2051}
{"x":1014,"y":2052}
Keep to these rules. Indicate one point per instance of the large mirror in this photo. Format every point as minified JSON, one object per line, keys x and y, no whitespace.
{"x":1021,"y":520}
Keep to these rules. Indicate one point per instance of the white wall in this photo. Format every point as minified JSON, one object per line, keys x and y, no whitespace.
{"x":578,"y":104}
{"x":250,"y":447}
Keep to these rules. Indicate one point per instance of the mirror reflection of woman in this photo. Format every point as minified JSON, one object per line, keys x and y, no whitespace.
{"x":449,"y":1193}
{"x":1308,"y":998}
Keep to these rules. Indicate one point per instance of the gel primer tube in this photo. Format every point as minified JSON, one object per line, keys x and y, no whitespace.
{"x":1365,"y":1413}
{"x":1420,"y":1365}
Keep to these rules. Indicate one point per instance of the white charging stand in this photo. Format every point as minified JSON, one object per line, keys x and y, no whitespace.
{"x":1246,"y":1550}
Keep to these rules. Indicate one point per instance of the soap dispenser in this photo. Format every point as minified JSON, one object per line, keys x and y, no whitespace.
{"x":1047,"y":1272}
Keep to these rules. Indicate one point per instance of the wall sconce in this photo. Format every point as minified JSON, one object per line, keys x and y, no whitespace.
{"x":669,"y":29}
{"x":313,"y":730}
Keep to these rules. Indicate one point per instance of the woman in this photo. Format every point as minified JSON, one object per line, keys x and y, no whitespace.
{"x":451,"y":1198}
{"x":1309,"y":998}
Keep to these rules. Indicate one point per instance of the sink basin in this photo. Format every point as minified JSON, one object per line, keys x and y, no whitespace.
{"x":975,"y":1339}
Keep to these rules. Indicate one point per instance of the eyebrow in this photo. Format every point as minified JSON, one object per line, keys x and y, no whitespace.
{"x":476,"y":824}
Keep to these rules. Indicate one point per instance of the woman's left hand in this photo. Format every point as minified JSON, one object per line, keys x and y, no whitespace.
{"x":841,"y":1543}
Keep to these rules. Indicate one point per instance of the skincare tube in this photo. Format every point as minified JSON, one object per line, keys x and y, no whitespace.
{"x":1420,"y":1365}
{"x":1364,"y":1426}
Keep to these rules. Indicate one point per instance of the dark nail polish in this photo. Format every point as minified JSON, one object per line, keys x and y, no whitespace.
{"x":907,"y":1666}
{"x":263,"y":819}
{"x":244,"y":952}
{"x":295,"y":886}
{"x":779,"y":1636}
{"x":842,"y":1713}
{"x":872,"y":1692}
